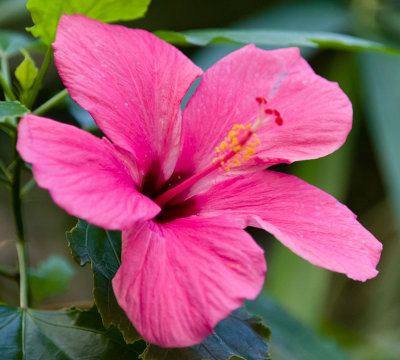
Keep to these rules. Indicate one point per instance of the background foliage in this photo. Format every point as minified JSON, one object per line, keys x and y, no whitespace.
{"x":314,"y":314}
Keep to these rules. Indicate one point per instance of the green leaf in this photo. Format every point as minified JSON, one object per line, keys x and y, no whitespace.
{"x":52,"y":277}
{"x":273,"y":38}
{"x":46,"y":13}
{"x":312,"y":15}
{"x":9,"y":110}
{"x":239,"y":336}
{"x":102,"y":249}
{"x":63,"y":335}
{"x":12,"y":42}
{"x":290,"y":338}
{"x":26,"y":72}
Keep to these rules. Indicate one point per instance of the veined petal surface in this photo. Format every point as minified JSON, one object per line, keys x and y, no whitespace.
{"x":311,"y":223}
{"x":178,"y":279}
{"x":131,"y":82}
{"x":87,"y":176}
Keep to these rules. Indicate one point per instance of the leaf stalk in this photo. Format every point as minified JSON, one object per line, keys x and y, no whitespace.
{"x":39,"y":79}
{"x":49,"y":104}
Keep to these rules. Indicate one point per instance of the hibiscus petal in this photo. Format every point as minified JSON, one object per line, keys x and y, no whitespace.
{"x":131,"y":82}
{"x":308,"y":221}
{"x":178,"y":279}
{"x":88,"y":177}
{"x":317,"y":115}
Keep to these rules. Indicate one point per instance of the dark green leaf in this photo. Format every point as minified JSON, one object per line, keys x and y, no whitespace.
{"x":239,"y":336}
{"x":273,"y":38}
{"x":102,"y":249}
{"x":291,"y":339}
{"x":312,"y":15}
{"x":12,"y":42}
{"x":9,"y":110}
{"x":52,"y":277}
{"x":62,"y":335}
{"x":46,"y":13}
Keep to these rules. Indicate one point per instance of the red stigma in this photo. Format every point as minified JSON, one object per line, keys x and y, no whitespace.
{"x":261,"y":100}
{"x":276,"y":114}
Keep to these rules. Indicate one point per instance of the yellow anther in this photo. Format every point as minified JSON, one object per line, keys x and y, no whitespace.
{"x":250,"y":151}
{"x":258,"y":142}
{"x":236,"y":147}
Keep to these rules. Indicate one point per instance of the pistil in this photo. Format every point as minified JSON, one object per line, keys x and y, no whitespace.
{"x":224,"y":159}
{"x":235,"y":149}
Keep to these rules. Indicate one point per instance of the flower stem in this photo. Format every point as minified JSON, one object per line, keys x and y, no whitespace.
{"x":51,"y":102}
{"x":39,"y":79}
{"x":21,"y":245}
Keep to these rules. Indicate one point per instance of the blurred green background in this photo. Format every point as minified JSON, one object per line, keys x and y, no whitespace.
{"x":363,"y":318}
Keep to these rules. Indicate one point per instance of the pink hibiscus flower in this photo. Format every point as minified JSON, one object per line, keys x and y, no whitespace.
{"x":182,"y":187}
